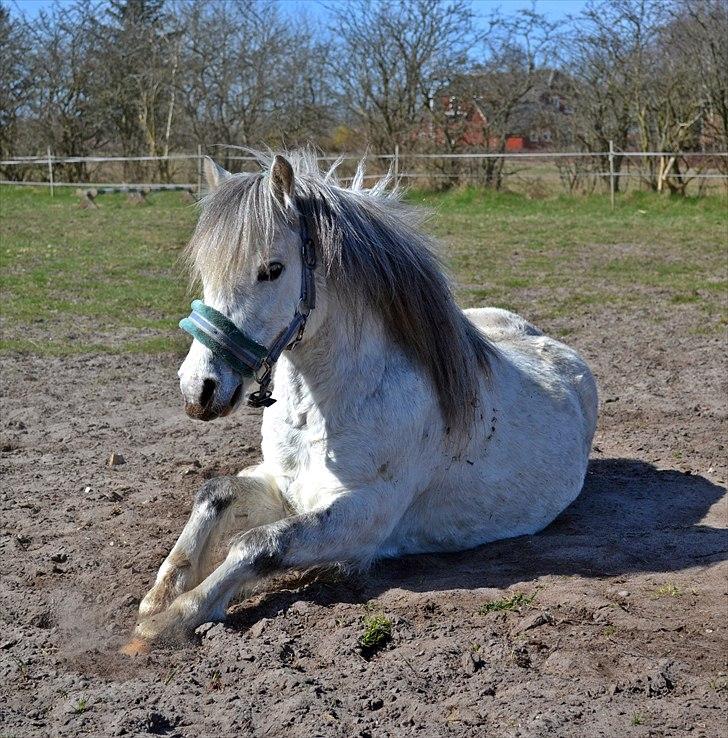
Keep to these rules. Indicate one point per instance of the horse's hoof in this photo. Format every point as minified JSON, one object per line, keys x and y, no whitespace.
{"x":135,"y":647}
{"x":168,"y":628}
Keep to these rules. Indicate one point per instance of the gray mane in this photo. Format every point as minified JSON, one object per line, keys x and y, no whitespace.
{"x":373,"y":251}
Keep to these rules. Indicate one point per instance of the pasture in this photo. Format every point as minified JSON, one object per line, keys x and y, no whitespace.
{"x":608,"y":622}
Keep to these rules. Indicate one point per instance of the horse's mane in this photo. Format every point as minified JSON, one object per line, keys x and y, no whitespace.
{"x":373,"y":250}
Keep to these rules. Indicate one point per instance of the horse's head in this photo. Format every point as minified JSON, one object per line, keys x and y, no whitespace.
{"x":251,"y":253}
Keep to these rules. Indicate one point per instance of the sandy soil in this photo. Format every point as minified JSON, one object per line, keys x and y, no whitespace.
{"x":625,"y":635}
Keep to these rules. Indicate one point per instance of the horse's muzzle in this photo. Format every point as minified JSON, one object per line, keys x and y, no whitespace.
{"x":202,"y":412}
{"x":208,"y":408}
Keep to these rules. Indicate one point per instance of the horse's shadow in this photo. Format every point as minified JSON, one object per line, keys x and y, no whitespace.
{"x":630,"y":517}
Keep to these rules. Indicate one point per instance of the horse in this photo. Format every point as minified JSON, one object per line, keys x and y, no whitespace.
{"x":394,"y":422}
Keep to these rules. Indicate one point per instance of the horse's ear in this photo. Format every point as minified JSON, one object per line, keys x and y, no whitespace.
{"x":281,"y":179}
{"x":215,"y":175}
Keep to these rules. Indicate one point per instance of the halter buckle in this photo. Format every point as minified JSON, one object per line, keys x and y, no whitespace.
{"x":262,"y":396}
{"x":301,"y":329}
{"x":309,"y":253}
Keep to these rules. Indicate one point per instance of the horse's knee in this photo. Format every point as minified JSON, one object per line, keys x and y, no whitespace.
{"x":217,"y":493}
{"x":263,"y":548}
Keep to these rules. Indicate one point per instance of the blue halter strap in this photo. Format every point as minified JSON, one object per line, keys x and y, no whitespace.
{"x":240,"y":352}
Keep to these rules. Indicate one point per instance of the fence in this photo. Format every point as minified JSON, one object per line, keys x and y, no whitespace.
{"x":530,"y":171}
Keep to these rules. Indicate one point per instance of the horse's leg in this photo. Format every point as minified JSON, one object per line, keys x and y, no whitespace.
{"x":222,"y":505}
{"x":351,"y":529}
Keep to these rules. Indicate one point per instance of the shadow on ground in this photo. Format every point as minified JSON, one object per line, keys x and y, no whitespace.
{"x":630,"y":518}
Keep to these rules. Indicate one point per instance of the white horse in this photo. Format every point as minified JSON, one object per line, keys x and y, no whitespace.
{"x":402,"y":425}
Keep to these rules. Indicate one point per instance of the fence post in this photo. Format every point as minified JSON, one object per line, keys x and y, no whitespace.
{"x":199,"y":170}
{"x":50,"y":170}
{"x":396,"y":162}
{"x":611,"y":173}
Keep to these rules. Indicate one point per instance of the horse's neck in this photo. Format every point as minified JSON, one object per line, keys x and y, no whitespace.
{"x":340,"y":364}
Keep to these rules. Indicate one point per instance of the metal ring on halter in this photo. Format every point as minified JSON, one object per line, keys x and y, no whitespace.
{"x":260,"y":379}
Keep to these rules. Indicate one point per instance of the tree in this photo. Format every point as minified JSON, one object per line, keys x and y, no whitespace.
{"x":138,"y":64}
{"x":701,"y":30}
{"x":509,"y":81}
{"x":247,"y":77}
{"x":391,"y":58}
{"x":61,"y":108}
{"x":15,"y":83}
{"x":609,"y":62}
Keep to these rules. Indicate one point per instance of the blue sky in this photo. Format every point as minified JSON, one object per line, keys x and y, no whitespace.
{"x":552,"y":9}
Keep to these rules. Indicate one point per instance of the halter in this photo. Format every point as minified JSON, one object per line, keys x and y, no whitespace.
{"x":244,"y":355}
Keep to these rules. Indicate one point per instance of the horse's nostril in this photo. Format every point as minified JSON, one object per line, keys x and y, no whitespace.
{"x":208,"y":392}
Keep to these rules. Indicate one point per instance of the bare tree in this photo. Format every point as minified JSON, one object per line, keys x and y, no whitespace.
{"x":247,"y":78}
{"x":701,"y":33}
{"x":652,"y":75}
{"x":304,"y":99}
{"x":15,"y":83}
{"x":62,"y":112}
{"x":511,"y":82}
{"x":393,"y":57}
{"x":609,"y":62}
{"x":137,"y":62}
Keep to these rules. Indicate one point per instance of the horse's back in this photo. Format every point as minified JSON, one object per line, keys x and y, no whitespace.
{"x":514,"y":334}
{"x":497,"y":323}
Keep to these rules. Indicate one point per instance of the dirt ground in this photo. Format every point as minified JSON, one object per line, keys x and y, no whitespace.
{"x":625,"y":634}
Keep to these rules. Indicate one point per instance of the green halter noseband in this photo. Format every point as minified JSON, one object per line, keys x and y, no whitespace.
{"x":244,"y":355}
{"x":212,"y":329}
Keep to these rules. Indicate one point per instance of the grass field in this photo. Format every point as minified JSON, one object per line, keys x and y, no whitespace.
{"x":111,"y":279}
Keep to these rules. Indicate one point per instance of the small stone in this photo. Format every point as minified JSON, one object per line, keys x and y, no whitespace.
{"x":59,"y":558}
{"x":204,"y":629}
{"x":136,"y":198}
{"x":112,"y":496}
{"x":623,"y":593}
{"x":471,"y":661}
{"x":256,"y":630}
{"x":535,"y":621}
{"x":116,"y":460}
{"x":521,"y":657}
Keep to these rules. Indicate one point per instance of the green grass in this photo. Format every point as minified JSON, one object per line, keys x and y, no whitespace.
{"x":84,"y":281}
{"x":376,"y":634}
{"x":111,"y":280}
{"x":556,"y":257}
{"x":507,"y":604}
{"x":667,"y":590}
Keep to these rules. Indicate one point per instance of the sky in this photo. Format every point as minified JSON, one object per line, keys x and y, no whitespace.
{"x":552,"y":9}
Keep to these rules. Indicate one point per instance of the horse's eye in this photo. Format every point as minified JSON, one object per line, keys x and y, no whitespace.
{"x":271,"y":272}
